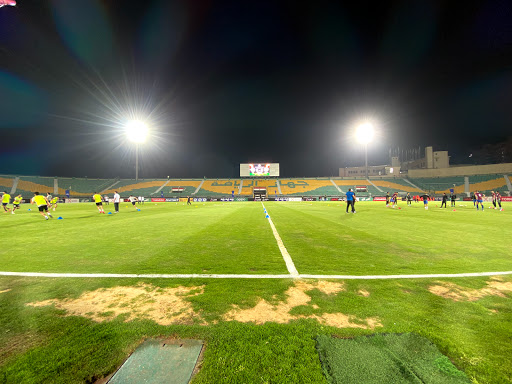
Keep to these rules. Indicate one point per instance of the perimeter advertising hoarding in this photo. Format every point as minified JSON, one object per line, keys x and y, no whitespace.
{"x":506,"y":198}
{"x":259,"y":170}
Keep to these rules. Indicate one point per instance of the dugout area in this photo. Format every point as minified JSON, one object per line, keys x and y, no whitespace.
{"x":386,"y":358}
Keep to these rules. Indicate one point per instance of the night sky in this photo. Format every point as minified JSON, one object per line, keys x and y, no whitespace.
{"x":228,"y":82}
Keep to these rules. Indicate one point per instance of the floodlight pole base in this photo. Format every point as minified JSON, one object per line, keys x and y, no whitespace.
{"x":136,"y":162}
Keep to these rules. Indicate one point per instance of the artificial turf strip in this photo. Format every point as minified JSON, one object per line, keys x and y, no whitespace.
{"x":406,"y":358}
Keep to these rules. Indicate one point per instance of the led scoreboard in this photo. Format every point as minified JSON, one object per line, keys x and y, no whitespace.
{"x":259,"y":170}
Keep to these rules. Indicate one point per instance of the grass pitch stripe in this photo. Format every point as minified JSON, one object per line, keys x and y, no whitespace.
{"x":249,"y":276}
{"x":286,"y":256}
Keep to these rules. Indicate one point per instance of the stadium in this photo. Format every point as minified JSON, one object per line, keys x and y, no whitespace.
{"x":277,"y":192}
{"x":257,"y":267}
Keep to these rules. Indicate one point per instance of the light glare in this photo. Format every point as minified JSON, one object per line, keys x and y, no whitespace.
{"x":136,"y":131}
{"x":364,"y":133}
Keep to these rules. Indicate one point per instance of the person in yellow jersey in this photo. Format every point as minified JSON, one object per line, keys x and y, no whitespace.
{"x":6,"y":199}
{"x":54,"y":202}
{"x":16,"y":203}
{"x":97,"y":199}
{"x":42,"y":204}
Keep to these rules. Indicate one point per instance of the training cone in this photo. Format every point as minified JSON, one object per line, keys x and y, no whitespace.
{"x":454,"y":210}
{"x":138,"y":209}
{"x":29,"y":209}
{"x":267,"y":216}
{"x":59,"y":218}
{"x":110,"y":213}
{"x":399,"y":208}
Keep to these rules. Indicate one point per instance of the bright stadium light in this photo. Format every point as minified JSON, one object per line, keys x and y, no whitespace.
{"x":136,"y":131}
{"x":364,"y":134}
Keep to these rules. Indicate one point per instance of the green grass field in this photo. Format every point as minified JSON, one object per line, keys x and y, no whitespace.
{"x":258,"y":330}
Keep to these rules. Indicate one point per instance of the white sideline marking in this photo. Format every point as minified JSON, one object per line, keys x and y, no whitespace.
{"x":248,"y":276}
{"x":286,"y":256}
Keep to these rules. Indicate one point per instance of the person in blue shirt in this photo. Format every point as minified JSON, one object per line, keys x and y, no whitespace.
{"x":351,"y":198}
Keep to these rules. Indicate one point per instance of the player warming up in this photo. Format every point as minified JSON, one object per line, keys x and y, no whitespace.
{"x":54,"y":202}
{"x":42,"y":204}
{"x":479,"y":200}
{"x":394,"y":200}
{"x":498,"y":200}
{"x":97,"y":199}
{"x":6,"y":199}
{"x":445,"y":199}
{"x":16,"y":203}
{"x":425,"y":200}
{"x":351,"y":198}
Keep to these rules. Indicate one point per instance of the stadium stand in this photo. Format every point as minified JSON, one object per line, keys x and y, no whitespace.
{"x":353,"y":183}
{"x":219,"y":187}
{"x":83,"y":187}
{"x":487,"y":183}
{"x":6,"y":183}
{"x":395,"y":185}
{"x":308,"y":187}
{"x":136,"y":188}
{"x":27,"y":185}
{"x":441,"y":184}
{"x":189,"y":187}
{"x":249,"y":184}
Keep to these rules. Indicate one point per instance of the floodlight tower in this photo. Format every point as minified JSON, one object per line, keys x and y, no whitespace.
{"x":136,"y":131}
{"x":364,"y":134}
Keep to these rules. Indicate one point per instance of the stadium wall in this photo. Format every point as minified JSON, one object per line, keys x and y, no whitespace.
{"x":469,"y":170}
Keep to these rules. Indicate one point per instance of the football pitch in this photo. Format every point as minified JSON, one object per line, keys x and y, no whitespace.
{"x":78,"y":294}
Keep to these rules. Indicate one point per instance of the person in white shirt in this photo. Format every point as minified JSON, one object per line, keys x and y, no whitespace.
{"x":133,"y":200}
{"x":117,"y":199}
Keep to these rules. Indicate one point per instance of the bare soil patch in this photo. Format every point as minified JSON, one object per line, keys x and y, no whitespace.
{"x":165,"y":306}
{"x":455,"y":292}
{"x":296,"y":296}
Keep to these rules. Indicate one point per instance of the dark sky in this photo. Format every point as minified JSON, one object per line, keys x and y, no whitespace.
{"x":225,"y":82}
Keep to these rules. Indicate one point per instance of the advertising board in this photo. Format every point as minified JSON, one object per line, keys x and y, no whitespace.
{"x":379,"y":198}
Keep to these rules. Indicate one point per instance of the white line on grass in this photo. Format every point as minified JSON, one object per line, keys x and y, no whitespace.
{"x":248,"y":276}
{"x":286,"y":256}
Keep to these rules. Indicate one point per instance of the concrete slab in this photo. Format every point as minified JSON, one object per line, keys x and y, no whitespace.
{"x":160,"y":361}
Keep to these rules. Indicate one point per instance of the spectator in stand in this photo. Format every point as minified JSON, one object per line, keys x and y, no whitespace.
{"x":351,"y":198}
{"x":117,"y":199}
{"x":445,"y":199}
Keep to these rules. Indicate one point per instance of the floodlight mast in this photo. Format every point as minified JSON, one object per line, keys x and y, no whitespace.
{"x":136,"y":132}
{"x":364,"y":134}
